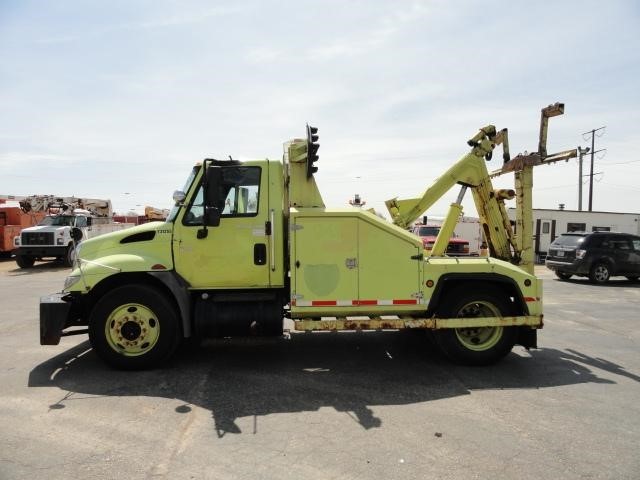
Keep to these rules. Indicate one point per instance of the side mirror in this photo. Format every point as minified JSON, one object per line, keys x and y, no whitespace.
{"x":76,"y":234}
{"x":211,"y":216}
{"x":179,"y":196}
{"x":212,"y":196}
{"x":212,"y":186}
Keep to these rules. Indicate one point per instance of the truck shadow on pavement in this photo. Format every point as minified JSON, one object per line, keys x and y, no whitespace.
{"x":350,"y":372}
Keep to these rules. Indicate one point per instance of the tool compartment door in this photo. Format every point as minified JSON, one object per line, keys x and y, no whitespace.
{"x":325,"y":261}
{"x":388,"y":274}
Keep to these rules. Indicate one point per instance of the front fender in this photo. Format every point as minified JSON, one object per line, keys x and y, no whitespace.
{"x":90,"y":273}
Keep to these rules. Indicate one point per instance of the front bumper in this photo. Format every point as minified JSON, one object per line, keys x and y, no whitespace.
{"x":41,"y":250}
{"x":54,"y":317}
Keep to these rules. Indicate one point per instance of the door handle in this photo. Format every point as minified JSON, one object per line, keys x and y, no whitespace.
{"x":260,"y":254}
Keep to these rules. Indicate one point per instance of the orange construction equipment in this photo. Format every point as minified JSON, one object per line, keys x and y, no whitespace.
{"x":12,"y":221}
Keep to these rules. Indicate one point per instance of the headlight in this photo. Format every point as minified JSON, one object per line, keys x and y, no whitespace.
{"x":16,"y":241}
{"x":70,"y":281}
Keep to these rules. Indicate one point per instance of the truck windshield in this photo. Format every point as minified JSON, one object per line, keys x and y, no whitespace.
{"x":428,"y":231}
{"x":58,"y":221}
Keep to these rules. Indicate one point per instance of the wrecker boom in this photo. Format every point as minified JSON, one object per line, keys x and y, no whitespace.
{"x":471,"y":173}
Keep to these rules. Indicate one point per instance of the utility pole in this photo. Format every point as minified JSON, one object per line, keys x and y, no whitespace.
{"x":581,"y":154}
{"x":593,"y":139}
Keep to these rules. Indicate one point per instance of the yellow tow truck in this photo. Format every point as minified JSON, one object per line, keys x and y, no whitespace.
{"x":249,"y":243}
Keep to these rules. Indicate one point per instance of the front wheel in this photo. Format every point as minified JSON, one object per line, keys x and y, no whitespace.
{"x":134,"y":327}
{"x":475,"y":345}
{"x":25,"y":261}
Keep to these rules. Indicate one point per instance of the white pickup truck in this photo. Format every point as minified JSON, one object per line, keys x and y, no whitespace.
{"x":53,"y":237}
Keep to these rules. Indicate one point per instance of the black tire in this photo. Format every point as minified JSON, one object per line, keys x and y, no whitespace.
{"x":475,"y":346}
{"x":69,"y":256}
{"x":600,"y":273}
{"x":563,"y":275}
{"x":25,"y":261}
{"x":134,"y":327}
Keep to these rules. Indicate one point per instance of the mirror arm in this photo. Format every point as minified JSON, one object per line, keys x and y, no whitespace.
{"x":204,"y":232}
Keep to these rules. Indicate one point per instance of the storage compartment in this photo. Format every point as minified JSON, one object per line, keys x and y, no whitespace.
{"x":350,"y":263}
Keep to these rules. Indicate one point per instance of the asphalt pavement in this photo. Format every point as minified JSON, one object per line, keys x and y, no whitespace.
{"x":378,"y":405}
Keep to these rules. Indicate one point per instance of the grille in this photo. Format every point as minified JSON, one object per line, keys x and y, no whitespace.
{"x":37,"y":238}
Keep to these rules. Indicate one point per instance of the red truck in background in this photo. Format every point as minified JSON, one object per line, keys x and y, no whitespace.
{"x":12,"y":220}
{"x":457,"y":246}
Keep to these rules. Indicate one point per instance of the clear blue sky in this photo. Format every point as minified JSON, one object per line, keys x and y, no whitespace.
{"x":119,"y":99}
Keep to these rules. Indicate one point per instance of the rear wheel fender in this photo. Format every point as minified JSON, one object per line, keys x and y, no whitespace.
{"x":459,"y":282}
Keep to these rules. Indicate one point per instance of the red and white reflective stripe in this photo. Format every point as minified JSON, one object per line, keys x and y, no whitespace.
{"x":354,"y":303}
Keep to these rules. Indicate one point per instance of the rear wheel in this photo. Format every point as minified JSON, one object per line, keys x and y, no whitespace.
{"x":134,"y":327}
{"x":475,"y":345}
{"x":25,"y":261}
{"x":563,"y":276}
{"x":600,"y":273}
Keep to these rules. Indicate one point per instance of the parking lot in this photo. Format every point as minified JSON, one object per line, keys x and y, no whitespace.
{"x":377,"y":405}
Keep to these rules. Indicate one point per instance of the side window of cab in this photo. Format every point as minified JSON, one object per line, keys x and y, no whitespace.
{"x":239,"y":195}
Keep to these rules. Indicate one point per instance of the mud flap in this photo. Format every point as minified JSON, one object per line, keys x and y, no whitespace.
{"x":53,"y":318}
{"x":527,"y":337}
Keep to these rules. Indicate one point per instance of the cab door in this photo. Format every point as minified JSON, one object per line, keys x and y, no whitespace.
{"x":234,"y":254}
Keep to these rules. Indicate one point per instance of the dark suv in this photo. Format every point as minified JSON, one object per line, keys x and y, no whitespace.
{"x":597,"y":255}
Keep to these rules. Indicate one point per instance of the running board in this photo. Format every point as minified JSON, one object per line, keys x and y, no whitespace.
{"x":401,"y":323}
